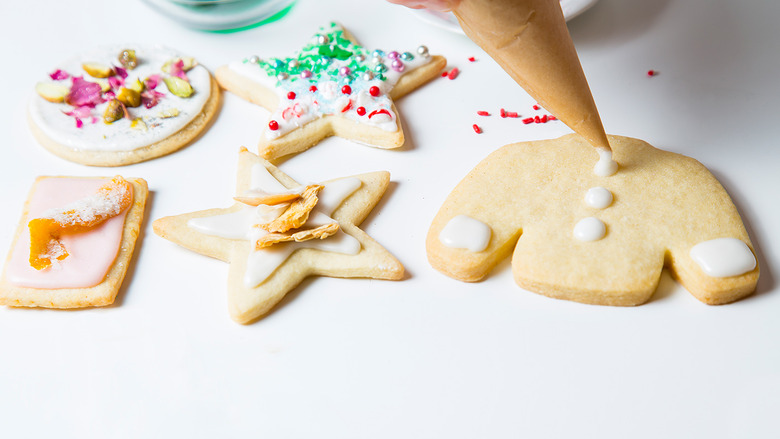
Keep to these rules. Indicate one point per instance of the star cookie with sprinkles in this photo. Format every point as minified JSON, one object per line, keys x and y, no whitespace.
{"x":280,"y":232}
{"x":333,"y":86}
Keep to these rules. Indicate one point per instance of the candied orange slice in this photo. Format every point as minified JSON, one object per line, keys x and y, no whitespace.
{"x":110,"y":200}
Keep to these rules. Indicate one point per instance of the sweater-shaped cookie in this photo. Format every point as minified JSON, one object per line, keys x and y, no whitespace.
{"x":579,"y":236}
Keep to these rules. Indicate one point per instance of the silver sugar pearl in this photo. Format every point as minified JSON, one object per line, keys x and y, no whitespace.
{"x":360,"y":57}
{"x":368,"y":75}
{"x":254,"y":59}
{"x":422,"y":50}
{"x":323,"y":39}
{"x":293,"y":63}
{"x":281,"y":76}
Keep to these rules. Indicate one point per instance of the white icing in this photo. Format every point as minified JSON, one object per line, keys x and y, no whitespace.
{"x":242,"y":224}
{"x":589,"y":229}
{"x":120,"y":136}
{"x":598,"y":197}
{"x":329,"y":99}
{"x":605,"y":166}
{"x":723,"y":257}
{"x":465,"y":232}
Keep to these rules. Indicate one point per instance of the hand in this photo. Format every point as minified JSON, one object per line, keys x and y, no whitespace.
{"x":434,"y":5}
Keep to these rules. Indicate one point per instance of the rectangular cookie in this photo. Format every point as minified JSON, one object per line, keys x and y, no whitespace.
{"x":97,"y":259}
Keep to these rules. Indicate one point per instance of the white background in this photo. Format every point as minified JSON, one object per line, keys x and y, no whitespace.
{"x":426,"y":357}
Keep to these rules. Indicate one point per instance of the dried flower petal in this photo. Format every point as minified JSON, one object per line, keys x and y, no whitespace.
{"x":150,"y":98}
{"x":84,"y":93}
{"x":152,"y":82}
{"x":115,"y":82}
{"x":59,"y":75}
{"x":121,"y":72}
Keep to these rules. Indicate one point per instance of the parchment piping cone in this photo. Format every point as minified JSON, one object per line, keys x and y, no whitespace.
{"x":530,"y":41}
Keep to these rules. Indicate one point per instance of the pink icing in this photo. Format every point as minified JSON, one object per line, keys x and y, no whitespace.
{"x":91,"y":253}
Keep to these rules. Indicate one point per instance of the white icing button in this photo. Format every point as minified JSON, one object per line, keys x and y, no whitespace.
{"x":465,"y":232}
{"x":605,"y":166}
{"x":723,"y":257}
{"x":590,"y":229}
{"x":598,"y":197}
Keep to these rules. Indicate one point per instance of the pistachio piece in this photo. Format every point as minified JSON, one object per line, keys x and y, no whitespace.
{"x":188,"y":63}
{"x":104,"y":85}
{"x":136,"y":85}
{"x":178,"y":86}
{"x":128,"y":59}
{"x":171,"y":112}
{"x":129,"y":97}
{"x":138,"y":124}
{"x":52,"y":92}
{"x":97,"y":70}
{"x":115,"y":110}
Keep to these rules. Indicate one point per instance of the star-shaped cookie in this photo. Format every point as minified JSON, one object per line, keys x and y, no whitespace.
{"x":263,"y":268}
{"x":332,"y":86}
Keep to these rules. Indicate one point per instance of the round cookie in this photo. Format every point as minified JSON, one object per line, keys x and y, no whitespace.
{"x":120,"y":105}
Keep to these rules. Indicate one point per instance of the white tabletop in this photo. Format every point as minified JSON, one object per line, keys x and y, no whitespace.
{"x":426,"y":357}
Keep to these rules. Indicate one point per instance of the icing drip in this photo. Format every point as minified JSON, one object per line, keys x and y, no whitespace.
{"x":605,"y":166}
{"x":242,"y":224}
{"x":598,"y":197}
{"x":465,"y":232}
{"x":590,"y":229}
{"x":723,"y":257}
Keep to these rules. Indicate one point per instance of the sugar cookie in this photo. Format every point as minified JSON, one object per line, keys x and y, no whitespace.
{"x":333,"y":86}
{"x":301,"y":231}
{"x":74,"y":242}
{"x":536,"y":201}
{"x":124,"y":104}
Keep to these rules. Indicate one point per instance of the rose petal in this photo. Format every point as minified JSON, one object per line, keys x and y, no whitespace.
{"x":84,"y":93}
{"x":121,"y":72}
{"x":152,"y":82}
{"x":115,"y":82}
{"x":59,"y":75}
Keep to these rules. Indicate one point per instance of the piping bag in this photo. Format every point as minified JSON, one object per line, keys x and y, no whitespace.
{"x":530,"y":41}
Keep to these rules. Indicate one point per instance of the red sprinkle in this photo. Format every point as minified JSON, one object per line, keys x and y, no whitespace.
{"x":472,"y":59}
{"x":380,"y":111}
{"x":651,"y":73}
{"x":291,"y":95}
{"x":347,"y":107}
{"x":551,"y":117}
{"x":502,"y":113}
{"x":374,"y":91}
{"x":538,"y":119}
{"x":444,"y":74}
{"x":453,"y":73}
{"x":361,"y":111}
{"x":273,"y":125}
{"x":483,"y":113}
{"x":313,"y":88}
{"x":477,"y":129}
{"x":536,"y":107}
{"x":346,"y":89}
{"x":528,"y":120}
{"x":543,"y":119}
{"x":512,"y":114}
